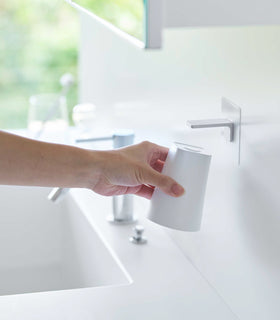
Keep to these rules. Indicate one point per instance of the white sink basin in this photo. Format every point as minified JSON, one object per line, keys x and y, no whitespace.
{"x":46,"y":246}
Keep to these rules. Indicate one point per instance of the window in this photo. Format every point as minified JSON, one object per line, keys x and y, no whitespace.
{"x":38,"y":44}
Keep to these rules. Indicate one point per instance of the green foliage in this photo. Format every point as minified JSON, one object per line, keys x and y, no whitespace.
{"x":39,"y":41}
{"x":125,"y":14}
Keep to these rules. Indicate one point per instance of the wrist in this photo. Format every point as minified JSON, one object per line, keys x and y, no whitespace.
{"x":90,"y":168}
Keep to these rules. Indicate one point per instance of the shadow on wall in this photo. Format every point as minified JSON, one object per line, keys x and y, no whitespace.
{"x":258,"y":204}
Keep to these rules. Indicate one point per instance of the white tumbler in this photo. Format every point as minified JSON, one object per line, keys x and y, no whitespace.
{"x":189,"y":166}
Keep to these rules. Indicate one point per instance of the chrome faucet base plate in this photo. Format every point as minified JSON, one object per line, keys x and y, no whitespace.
{"x":113,"y":220}
{"x":141,"y":241}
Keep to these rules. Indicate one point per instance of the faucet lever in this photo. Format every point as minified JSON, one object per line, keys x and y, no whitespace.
{"x":81,"y":140}
{"x":120,"y":138}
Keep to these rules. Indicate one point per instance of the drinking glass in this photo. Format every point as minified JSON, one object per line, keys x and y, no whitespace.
{"x":48,"y":118}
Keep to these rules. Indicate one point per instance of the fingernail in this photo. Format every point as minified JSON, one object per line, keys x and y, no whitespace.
{"x":177,"y":190}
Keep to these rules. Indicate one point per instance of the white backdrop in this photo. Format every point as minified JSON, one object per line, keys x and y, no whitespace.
{"x":155,"y":92}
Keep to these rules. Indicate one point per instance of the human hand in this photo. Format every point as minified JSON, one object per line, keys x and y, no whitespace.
{"x":134,"y":170}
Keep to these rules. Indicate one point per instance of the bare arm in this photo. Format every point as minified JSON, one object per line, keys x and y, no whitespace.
{"x":135,"y":169}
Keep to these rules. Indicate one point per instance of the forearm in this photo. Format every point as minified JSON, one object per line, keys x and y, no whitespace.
{"x":134,"y":169}
{"x":34,"y":163}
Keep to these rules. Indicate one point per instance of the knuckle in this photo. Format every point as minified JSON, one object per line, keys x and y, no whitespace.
{"x":146,"y":144}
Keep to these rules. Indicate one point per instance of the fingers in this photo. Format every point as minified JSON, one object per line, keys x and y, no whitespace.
{"x":162,"y":153}
{"x":145,"y":191}
{"x":165,"y":183}
{"x":142,"y":191}
{"x":155,"y":178}
{"x":158,"y":165}
{"x":156,"y":152}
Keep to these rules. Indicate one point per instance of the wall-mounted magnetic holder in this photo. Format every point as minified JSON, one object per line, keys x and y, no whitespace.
{"x":230,"y":121}
{"x":214,"y":123}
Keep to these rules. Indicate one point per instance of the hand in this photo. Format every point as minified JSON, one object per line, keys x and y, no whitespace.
{"x":134,"y":170}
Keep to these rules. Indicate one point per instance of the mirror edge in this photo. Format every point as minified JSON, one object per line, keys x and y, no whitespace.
{"x":152,"y":24}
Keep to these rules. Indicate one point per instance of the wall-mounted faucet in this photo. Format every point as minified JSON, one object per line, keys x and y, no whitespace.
{"x":123,"y":204}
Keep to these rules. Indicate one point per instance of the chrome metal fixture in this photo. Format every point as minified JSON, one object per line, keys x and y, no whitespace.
{"x":138,"y":238}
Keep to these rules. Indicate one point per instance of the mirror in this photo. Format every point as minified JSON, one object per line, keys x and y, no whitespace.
{"x":139,"y":21}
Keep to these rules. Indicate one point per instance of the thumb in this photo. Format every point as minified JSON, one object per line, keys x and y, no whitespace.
{"x":165,"y":183}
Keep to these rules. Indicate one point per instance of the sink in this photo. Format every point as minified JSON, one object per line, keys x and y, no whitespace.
{"x":47,"y":247}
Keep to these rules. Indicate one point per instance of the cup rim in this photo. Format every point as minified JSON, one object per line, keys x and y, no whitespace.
{"x":191,"y":148}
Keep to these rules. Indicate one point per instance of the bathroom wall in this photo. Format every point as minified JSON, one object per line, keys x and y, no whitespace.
{"x":155,"y":92}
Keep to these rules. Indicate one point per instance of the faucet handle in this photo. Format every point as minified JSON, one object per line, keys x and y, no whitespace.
{"x":138,"y":238}
{"x":121,"y":138}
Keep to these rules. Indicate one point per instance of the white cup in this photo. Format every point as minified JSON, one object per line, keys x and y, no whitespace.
{"x":189,"y":166}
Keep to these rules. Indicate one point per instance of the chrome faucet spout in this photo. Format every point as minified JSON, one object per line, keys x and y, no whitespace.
{"x":94,"y":139}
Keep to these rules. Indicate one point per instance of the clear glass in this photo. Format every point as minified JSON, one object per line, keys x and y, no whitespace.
{"x":48,"y":118}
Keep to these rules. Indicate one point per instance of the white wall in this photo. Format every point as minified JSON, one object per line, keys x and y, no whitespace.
{"x":238,"y":248}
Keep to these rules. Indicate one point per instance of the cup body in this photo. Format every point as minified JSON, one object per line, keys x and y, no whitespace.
{"x":189,"y":166}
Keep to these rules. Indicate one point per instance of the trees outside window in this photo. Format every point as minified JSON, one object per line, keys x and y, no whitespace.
{"x":38,"y":43}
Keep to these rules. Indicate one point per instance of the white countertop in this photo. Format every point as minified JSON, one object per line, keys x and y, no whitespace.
{"x":165,"y":284}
